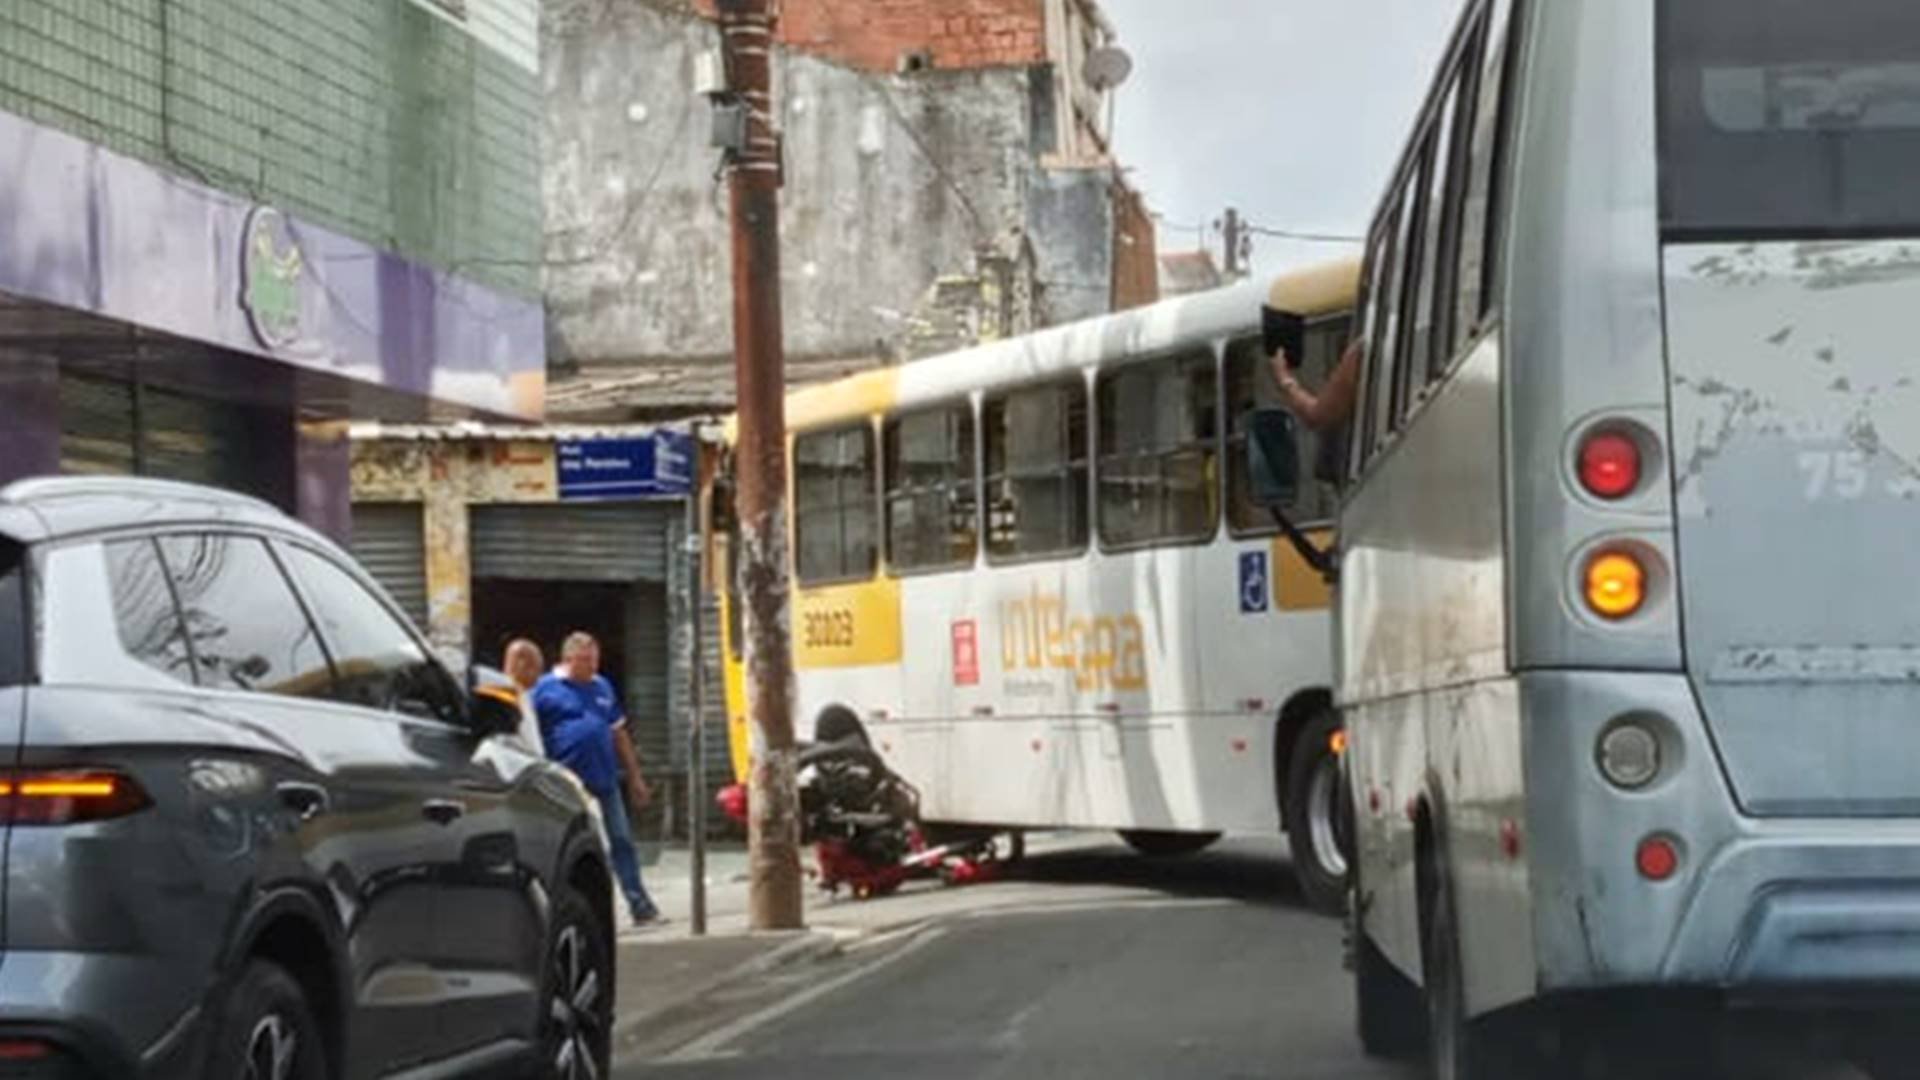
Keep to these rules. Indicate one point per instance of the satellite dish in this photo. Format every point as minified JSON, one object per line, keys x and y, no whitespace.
{"x":1107,"y":67}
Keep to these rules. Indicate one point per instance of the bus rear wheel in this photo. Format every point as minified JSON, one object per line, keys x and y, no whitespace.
{"x":1496,"y":1047}
{"x":1318,"y":818}
{"x":1157,"y":844}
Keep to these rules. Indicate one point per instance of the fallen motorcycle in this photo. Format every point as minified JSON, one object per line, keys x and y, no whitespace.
{"x":863,"y":820}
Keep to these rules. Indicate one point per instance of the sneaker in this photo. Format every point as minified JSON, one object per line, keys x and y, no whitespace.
{"x":649,"y":920}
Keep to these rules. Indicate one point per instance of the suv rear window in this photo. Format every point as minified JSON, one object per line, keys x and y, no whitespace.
{"x":1789,"y":118}
{"x":13,"y":613}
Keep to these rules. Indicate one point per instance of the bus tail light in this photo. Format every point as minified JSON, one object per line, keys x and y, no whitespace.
{"x":1658,"y":858}
{"x":1610,"y":465}
{"x":1616,"y":584}
{"x":69,"y":797}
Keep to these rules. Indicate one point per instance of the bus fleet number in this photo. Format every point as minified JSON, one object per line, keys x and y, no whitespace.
{"x":828,"y":629}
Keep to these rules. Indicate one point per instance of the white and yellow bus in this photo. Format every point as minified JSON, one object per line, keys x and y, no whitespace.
{"x":1030,"y":575}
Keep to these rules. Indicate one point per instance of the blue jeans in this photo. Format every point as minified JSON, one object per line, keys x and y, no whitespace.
{"x":626,"y":862}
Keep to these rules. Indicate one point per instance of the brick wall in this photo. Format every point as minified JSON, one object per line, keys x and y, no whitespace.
{"x":1136,"y":255}
{"x":372,"y":117}
{"x":879,"y":35}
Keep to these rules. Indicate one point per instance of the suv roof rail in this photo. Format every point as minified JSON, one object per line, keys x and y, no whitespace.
{"x":45,"y":489}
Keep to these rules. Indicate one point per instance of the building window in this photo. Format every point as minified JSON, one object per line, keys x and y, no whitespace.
{"x":1158,"y":483}
{"x":833,"y":487}
{"x":933,"y":511}
{"x":1036,"y":449}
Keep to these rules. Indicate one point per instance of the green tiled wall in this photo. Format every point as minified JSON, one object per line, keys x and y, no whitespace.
{"x":373,"y":117}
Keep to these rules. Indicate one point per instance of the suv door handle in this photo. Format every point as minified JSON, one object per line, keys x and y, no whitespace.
{"x":307,"y":800}
{"x":442,"y":811}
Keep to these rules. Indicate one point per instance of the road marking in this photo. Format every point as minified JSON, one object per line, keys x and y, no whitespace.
{"x":714,"y":1044}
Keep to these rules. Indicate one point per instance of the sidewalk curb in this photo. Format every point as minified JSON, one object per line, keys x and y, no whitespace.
{"x":806,"y":946}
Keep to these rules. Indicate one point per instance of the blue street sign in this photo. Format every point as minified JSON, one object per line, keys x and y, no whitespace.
{"x":1254,"y":589}
{"x":648,"y":467}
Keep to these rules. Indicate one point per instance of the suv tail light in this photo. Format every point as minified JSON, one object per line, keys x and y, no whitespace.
{"x":1610,"y":464}
{"x":68,"y":796}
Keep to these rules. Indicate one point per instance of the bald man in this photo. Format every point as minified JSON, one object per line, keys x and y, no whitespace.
{"x":524,"y":664}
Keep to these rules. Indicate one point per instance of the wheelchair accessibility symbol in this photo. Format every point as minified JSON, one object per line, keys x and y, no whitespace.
{"x":1253,"y":583}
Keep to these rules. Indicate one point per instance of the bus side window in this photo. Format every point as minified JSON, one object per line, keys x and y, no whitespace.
{"x":1429,"y":352}
{"x":1249,"y":386}
{"x":835,"y":523}
{"x":1480,"y":182}
{"x":1156,"y":469}
{"x":1036,"y":451}
{"x":933,"y":511}
{"x":1384,"y":303}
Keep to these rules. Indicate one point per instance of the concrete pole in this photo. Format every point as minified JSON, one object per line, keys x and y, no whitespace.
{"x":773,"y":827}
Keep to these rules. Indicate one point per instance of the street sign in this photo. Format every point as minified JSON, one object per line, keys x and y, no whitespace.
{"x":653,"y":466}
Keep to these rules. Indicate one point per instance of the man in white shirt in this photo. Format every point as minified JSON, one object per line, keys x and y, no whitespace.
{"x":524,"y":665}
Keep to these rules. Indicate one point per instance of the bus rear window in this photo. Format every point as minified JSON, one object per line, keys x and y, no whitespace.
{"x":1789,"y":118}
{"x":13,"y":614}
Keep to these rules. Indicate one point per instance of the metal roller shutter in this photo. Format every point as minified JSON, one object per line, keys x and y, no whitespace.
{"x":96,"y":426}
{"x":196,"y":440}
{"x":647,"y":666}
{"x":603,"y":542}
{"x":389,"y":539}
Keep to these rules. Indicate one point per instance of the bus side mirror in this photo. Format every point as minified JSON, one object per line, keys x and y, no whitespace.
{"x":1273,"y":457}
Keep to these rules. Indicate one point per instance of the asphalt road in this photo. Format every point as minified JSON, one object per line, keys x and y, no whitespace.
{"x":1206,"y":966}
{"x":1094,"y":962}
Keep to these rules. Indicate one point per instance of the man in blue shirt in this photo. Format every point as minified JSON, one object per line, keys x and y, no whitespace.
{"x":584,"y":728}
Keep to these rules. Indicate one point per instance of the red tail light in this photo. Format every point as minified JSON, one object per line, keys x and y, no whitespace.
{"x":1610,"y":464}
{"x":1657,"y":858}
{"x":69,"y":796}
{"x":24,"y":1050}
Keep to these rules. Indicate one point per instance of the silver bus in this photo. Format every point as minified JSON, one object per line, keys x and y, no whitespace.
{"x":1628,"y":632}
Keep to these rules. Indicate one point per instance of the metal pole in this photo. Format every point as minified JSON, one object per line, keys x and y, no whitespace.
{"x":773,"y":827}
{"x":696,"y":730}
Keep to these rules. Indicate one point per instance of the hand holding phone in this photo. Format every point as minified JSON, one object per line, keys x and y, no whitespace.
{"x":1283,"y":330}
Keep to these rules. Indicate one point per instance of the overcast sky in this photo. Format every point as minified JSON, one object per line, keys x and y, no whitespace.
{"x":1290,"y":110}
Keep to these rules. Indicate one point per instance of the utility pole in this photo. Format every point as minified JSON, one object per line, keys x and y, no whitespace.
{"x":773,"y":826}
{"x":1235,"y":234}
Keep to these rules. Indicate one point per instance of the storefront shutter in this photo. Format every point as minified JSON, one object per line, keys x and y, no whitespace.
{"x":603,"y":542}
{"x":389,"y":540}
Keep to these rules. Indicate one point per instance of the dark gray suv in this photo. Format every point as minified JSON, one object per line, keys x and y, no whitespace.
{"x":253,"y":827}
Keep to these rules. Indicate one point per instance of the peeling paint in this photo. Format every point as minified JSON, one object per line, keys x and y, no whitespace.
{"x":1817,"y":664}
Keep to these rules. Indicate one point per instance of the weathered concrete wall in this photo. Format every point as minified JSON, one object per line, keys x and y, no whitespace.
{"x":890,"y":183}
{"x":1070,"y":218}
{"x":893,"y":182}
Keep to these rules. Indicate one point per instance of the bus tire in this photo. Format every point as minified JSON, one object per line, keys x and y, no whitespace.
{"x":1318,"y":816}
{"x":1387,"y":1007}
{"x":1489,"y":1048}
{"x":1157,"y":844}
